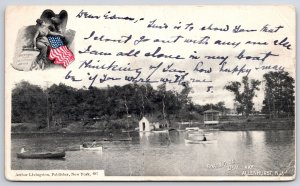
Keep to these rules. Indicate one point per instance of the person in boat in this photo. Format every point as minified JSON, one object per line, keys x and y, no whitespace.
{"x":94,"y":143}
{"x":204,"y":138}
{"x":41,"y":43}
{"x":23,"y":150}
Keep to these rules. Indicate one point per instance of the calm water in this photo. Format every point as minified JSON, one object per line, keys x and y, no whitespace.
{"x":152,"y":154}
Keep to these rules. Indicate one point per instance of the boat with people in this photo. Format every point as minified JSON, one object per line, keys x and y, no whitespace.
{"x":97,"y":148}
{"x":41,"y":155}
{"x":194,"y":141}
{"x":196,"y":134}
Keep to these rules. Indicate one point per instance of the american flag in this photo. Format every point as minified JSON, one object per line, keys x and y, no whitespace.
{"x":59,"y":52}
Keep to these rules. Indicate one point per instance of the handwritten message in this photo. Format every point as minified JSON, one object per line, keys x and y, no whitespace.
{"x":174,"y":50}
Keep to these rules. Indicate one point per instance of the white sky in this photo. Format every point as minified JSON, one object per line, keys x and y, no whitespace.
{"x":251,"y":17}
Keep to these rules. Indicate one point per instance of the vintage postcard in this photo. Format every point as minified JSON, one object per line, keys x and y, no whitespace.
{"x":150,"y":93}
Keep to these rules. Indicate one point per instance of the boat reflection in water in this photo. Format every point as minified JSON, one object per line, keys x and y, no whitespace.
{"x":41,"y":155}
{"x":166,"y":154}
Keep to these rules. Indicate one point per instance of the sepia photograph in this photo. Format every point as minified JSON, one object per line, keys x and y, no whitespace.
{"x":150,"y":93}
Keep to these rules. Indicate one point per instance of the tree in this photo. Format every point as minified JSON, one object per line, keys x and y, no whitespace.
{"x":29,"y":104}
{"x":279,"y":94}
{"x":245,"y":97}
{"x":184,"y":94}
{"x":62,"y":102}
{"x":220,"y":106}
{"x":184,"y":104}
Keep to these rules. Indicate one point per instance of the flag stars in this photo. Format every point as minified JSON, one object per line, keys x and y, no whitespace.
{"x":55,"y":41}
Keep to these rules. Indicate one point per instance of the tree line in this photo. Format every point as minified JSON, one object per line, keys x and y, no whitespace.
{"x":279,"y":93}
{"x":32,"y":104}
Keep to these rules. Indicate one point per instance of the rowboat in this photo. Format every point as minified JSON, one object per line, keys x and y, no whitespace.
{"x":160,"y":131}
{"x":192,"y":129}
{"x":41,"y":155}
{"x":188,"y":141}
{"x":90,"y":148}
{"x":200,"y":134}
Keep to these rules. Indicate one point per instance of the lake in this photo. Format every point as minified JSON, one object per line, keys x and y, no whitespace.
{"x":235,"y":153}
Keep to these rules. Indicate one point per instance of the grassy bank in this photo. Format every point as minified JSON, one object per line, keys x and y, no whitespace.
{"x":115,"y":127}
{"x":245,"y":124}
{"x":257,"y":125}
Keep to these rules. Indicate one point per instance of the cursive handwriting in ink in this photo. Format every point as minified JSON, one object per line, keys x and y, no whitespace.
{"x":158,"y":54}
{"x":262,"y":58}
{"x":270,"y":67}
{"x":108,"y":16}
{"x":220,"y":42}
{"x":85,"y":14}
{"x":238,"y":29}
{"x":138,"y":79}
{"x":91,"y":78}
{"x":112,"y":16}
{"x":152,"y":24}
{"x":176,"y":38}
{"x":256,"y":43}
{"x":189,"y":26}
{"x":202,"y":41}
{"x":199,"y":68}
{"x":211,"y":27}
{"x":131,"y":53}
{"x":141,"y":40}
{"x":284,"y":42}
{"x":88,"y":50}
{"x":177,"y":27}
{"x":154,"y":69}
{"x":72,"y":77}
{"x":112,"y":66}
{"x":170,"y":69}
{"x":179,"y":78}
{"x":194,"y":56}
{"x":222,"y":58}
{"x":266,"y":28}
{"x":236,"y":69}
{"x":193,"y":80}
{"x":123,"y":39}
{"x":209,"y":89}
{"x":107,"y":78}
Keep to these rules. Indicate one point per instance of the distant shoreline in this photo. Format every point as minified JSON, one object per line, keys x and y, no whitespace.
{"x":256,"y":125}
{"x":235,"y":125}
{"x":123,"y":136}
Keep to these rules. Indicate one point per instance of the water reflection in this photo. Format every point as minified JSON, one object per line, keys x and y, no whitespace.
{"x":166,"y":154}
{"x":174,"y":137}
